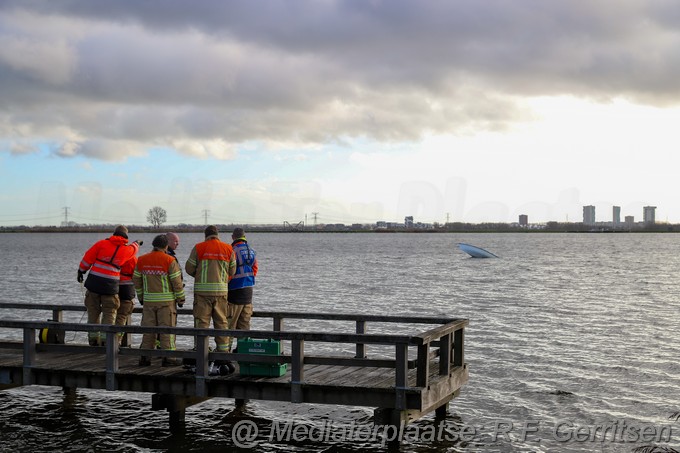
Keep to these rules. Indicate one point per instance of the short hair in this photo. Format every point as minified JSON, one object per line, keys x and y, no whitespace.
{"x":238,"y":233}
{"x":121,"y":230}
{"x":160,"y":241}
{"x":211,"y":230}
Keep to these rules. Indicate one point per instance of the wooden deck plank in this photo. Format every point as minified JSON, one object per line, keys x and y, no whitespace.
{"x":327,"y":375}
{"x":128,"y":364}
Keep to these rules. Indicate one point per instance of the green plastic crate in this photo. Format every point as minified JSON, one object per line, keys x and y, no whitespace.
{"x":263,"y":347}
{"x":262,"y":369}
{"x":253,"y":346}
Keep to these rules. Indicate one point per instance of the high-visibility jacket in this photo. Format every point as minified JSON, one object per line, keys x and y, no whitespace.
{"x":104,"y":260}
{"x":246,"y":266}
{"x":127,"y":286}
{"x":157,"y":278}
{"x":211,"y":263}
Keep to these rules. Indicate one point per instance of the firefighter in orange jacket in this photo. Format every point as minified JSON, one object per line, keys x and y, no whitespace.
{"x":212,"y":263}
{"x":158,"y":281}
{"x":103,"y":261}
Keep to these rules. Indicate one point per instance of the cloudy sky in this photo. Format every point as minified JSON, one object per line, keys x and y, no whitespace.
{"x":363,"y":110}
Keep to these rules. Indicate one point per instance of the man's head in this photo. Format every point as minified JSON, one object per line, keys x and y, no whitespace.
{"x":121,"y":230}
{"x":211,"y":230}
{"x":238,"y":233}
{"x":173,"y":240}
{"x":160,"y":242}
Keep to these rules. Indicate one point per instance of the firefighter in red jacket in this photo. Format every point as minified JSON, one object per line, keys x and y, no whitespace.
{"x":103,"y":261}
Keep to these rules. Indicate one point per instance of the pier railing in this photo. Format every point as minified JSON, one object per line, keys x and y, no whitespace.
{"x":445,"y":341}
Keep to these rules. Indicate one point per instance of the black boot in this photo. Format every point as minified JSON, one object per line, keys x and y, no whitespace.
{"x":227,"y":368}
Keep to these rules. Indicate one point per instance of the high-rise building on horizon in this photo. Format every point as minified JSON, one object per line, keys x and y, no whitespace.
{"x":523,"y":220}
{"x":616,"y":215}
{"x":649,"y":214}
{"x":589,"y":215}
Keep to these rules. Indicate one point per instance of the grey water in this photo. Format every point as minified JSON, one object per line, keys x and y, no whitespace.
{"x":568,"y":330}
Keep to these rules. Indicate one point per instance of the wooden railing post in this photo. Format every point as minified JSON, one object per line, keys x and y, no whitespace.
{"x":445,"y":355}
{"x":423,"y":365}
{"x":111,"y":360}
{"x":29,"y":356}
{"x":202,"y":372}
{"x":278,"y":327}
{"x":401,"y":374}
{"x":361,"y":347}
{"x":298,"y":372}
{"x":58,"y":315}
{"x":458,"y":347}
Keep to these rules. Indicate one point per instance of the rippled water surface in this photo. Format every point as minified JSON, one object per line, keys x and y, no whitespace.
{"x":570,"y":329}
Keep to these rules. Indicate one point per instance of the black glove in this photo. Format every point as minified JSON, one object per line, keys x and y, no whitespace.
{"x":140,"y":242}
{"x":180,"y":303}
{"x":141,"y":301}
{"x":80,"y":276}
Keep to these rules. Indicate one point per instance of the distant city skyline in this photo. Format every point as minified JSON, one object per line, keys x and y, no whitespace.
{"x":357,"y":111}
{"x":590,"y":218}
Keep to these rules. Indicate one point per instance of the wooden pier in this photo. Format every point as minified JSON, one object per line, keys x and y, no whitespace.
{"x":421,"y":372}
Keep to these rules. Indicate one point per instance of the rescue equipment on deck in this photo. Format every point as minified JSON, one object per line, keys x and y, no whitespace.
{"x":51,"y":335}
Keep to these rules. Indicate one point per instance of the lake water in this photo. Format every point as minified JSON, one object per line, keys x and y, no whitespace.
{"x":568,"y":330}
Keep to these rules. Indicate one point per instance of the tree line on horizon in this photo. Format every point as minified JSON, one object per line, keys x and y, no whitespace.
{"x":157,"y":217}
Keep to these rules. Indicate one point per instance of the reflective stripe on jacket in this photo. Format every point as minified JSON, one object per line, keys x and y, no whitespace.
{"x":211,"y":263}
{"x":104,"y":260}
{"x":157,"y":278}
{"x":246,"y":266}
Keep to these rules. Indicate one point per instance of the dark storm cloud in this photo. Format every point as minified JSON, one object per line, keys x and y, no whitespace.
{"x":316,"y":71}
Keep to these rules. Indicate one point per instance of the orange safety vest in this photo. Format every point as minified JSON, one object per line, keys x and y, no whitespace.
{"x":211,"y":263}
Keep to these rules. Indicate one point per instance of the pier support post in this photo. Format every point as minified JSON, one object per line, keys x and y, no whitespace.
{"x":395,"y":417}
{"x":177,"y":421}
{"x":394,"y":422}
{"x":440,"y":412}
{"x":70,"y":397}
{"x":176,"y":406}
{"x":69,"y":391}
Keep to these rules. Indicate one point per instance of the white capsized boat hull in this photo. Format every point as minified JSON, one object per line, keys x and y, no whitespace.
{"x":475,"y":252}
